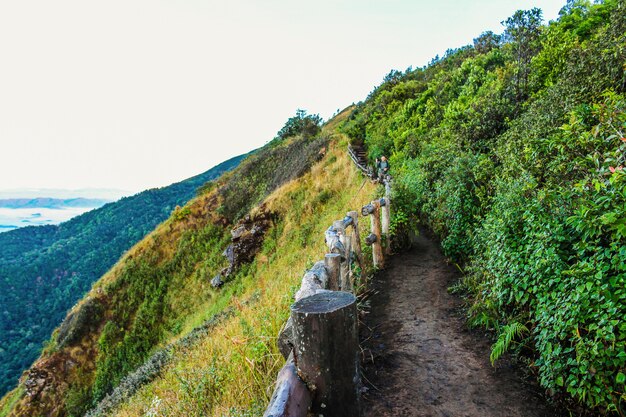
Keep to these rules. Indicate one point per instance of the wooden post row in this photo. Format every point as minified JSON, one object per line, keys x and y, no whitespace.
{"x":326,"y":351}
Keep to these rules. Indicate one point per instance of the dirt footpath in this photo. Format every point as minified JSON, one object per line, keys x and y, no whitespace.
{"x":420,"y":360}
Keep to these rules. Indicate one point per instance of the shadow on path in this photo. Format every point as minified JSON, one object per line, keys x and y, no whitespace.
{"x":420,"y":360}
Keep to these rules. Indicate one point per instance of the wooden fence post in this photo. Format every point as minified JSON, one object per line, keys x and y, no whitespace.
{"x":356,"y":242}
{"x":377,"y":250}
{"x":326,"y":351}
{"x":386,"y":220}
{"x":332,"y":262}
{"x":346,"y":270}
{"x":340,"y":228}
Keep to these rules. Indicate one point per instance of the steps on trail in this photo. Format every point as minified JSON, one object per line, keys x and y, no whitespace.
{"x":359,"y":157}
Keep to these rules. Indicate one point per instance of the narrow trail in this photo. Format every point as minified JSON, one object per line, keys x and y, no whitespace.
{"x":420,"y":360}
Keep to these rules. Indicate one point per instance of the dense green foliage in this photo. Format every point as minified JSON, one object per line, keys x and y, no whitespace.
{"x":45,"y":270}
{"x":512,"y":151}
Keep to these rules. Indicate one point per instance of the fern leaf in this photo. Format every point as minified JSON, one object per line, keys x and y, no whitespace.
{"x":510,"y":332}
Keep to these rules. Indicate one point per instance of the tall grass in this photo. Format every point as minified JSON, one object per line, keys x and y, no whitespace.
{"x":232,"y":370}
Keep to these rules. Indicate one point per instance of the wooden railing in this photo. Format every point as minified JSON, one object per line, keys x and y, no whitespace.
{"x":360,"y":166}
{"x":320,"y":339}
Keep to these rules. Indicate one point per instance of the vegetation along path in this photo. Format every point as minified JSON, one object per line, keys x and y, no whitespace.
{"x":420,"y":360}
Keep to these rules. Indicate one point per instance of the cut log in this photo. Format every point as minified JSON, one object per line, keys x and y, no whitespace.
{"x":347,"y":221}
{"x":315,"y":278}
{"x":370,"y":239}
{"x":326,"y":351}
{"x":291,"y":397}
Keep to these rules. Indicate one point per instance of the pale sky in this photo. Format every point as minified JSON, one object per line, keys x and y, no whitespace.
{"x":133,"y":94}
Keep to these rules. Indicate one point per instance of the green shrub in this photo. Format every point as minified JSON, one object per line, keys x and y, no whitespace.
{"x":518,"y":163}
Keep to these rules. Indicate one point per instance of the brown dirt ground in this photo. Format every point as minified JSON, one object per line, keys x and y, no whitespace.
{"x":420,"y":359}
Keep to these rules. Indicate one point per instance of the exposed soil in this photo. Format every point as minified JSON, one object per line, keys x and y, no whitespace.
{"x":420,"y":359}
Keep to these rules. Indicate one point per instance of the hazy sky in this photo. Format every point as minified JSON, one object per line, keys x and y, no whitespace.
{"x":134,"y":94}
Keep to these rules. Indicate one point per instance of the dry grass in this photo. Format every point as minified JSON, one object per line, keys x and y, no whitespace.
{"x":232,"y":370}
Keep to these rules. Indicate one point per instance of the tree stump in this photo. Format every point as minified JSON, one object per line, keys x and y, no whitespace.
{"x":326,"y":351}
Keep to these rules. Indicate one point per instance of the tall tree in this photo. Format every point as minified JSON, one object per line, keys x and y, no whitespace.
{"x":522,"y":32}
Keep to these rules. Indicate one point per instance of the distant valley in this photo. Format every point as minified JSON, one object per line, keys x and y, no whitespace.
{"x":52,"y":203}
{"x":21,"y":212}
{"x":44,"y":270}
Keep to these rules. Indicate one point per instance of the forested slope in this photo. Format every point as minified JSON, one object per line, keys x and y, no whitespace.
{"x":45,"y":270}
{"x":512,"y":151}
{"x":154,"y":323}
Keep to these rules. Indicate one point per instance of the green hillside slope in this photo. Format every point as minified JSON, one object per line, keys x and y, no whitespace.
{"x":45,"y":270}
{"x":513,"y":151}
{"x":157,"y":301}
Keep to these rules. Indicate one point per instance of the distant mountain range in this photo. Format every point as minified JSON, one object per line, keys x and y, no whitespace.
{"x":44,"y":270}
{"x":51,"y":203}
{"x":109,"y":194}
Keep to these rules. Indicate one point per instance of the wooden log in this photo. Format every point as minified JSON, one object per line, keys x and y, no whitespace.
{"x":314,"y":279}
{"x":347,"y":221}
{"x":332,"y":261}
{"x":386,"y":220}
{"x":368,"y":209}
{"x":377,"y":249}
{"x":291,"y":397}
{"x":356,"y":241}
{"x":370,"y":239}
{"x":326,"y":351}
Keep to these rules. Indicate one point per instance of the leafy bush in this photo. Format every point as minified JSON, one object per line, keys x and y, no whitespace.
{"x":514,"y":152}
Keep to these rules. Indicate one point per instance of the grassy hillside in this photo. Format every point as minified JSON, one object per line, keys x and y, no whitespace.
{"x":46,"y":269}
{"x":513,"y":151}
{"x":155,"y":330}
